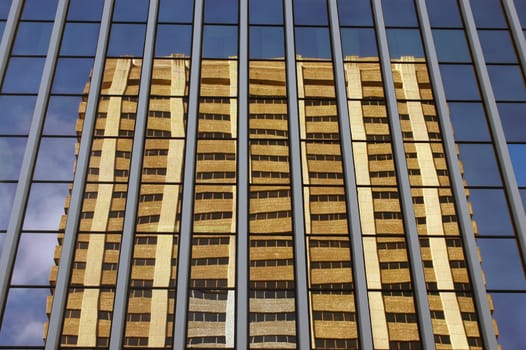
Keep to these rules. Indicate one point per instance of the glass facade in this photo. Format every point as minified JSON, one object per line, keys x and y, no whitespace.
{"x":240,"y":174}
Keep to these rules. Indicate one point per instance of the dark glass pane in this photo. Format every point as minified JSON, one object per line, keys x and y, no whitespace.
{"x":72,"y":75}
{"x":7,"y":194}
{"x":469,"y":122}
{"x":11,"y":156}
{"x":62,"y":115}
{"x":459,"y":82}
{"x":518,"y":159}
{"x":359,"y":42}
{"x":34,"y":259}
{"x":480,"y":165}
{"x":126,"y":40}
{"x":310,"y":12}
{"x":25,"y":317}
{"x":513,"y":117}
{"x":23,"y":75}
{"x":497,"y":46}
{"x":173,"y":39}
{"x":313,"y":43}
{"x":16,"y":115}
{"x":130,"y":10}
{"x":451,"y":45}
{"x":266,"y":12}
{"x":443,"y":13}
{"x":4,"y":8}
{"x":507,"y":83}
{"x":266,"y":42}
{"x":399,"y":13}
{"x":80,"y":39}
{"x":176,"y":11}
{"x":219,"y":41}
{"x":510,"y":309}
{"x":499,"y":255}
{"x":355,"y":13}
{"x":82,"y":10}
{"x":490,"y":212}
{"x":488,"y":14}
{"x":404,"y":42}
{"x":221,"y":11}
{"x":32,"y":38}
{"x":55,"y":160}
{"x":39,"y":9}
{"x":520,"y":6}
{"x":45,"y":206}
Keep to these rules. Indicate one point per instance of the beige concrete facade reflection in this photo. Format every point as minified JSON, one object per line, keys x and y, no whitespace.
{"x":212,"y":286}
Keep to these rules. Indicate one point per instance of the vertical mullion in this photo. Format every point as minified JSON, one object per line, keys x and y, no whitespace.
{"x":300,"y":259}
{"x":12,"y":236}
{"x":516,"y":32}
{"x":357,"y":256}
{"x":185,"y":239}
{"x":243,"y":205}
{"x":134,"y":185}
{"x":413,"y":244}
{"x":497,"y":132}
{"x":457,"y":184}
{"x":9,"y":34}
{"x":70,"y":234}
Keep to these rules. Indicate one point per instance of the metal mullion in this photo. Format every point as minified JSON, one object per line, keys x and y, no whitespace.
{"x":358,"y":260}
{"x":497,"y":132}
{"x":120,"y":307}
{"x":413,"y":244}
{"x":457,"y":183}
{"x":516,"y":32}
{"x":12,"y":236}
{"x":9,"y":34}
{"x":185,"y":239}
{"x":242,"y":320}
{"x":300,"y":258}
{"x":70,"y":233}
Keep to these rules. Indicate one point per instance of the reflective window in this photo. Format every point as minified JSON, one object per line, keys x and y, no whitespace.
{"x":313,"y":42}
{"x":72,"y":75}
{"x":23,"y":75}
{"x":39,"y":9}
{"x":513,"y":116}
{"x":80,"y":39}
{"x":4,"y":9}
{"x":497,"y":46}
{"x":359,"y":42}
{"x":11,"y":156}
{"x":55,"y":159}
{"x":459,"y":82}
{"x":266,"y":42}
{"x":221,"y":11}
{"x":451,"y":45}
{"x":266,"y":12}
{"x":488,"y":14}
{"x":469,"y":122}
{"x":32,"y":38}
{"x":490,"y":212}
{"x":444,"y":13}
{"x":510,"y":309}
{"x":518,"y":159}
{"x":507,"y":82}
{"x":62,"y":115}
{"x":480,"y":165}
{"x":17,"y":112}
{"x":310,"y":12}
{"x":400,"y":13}
{"x":81,"y":10}
{"x":176,"y":11}
{"x":173,"y":39}
{"x":7,"y":195}
{"x":404,"y":42}
{"x":126,"y":40}
{"x":219,"y":41}
{"x":520,"y":6}
{"x":501,"y":255}
{"x":34,"y":259}
{"x":45,"y":206}
{"x":130,"y":10}
{"x":355,"y":13}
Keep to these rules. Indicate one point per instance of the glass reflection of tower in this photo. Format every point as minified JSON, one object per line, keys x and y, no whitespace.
{"x":248,"y":174}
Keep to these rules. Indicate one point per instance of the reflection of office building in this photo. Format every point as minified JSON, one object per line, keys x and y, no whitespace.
{"x":278,"y":174}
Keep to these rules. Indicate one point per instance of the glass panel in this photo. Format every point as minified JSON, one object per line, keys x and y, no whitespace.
{"x":11,"y":156}
{"x":62,"y":116}
{"x":270,"y":210}
{"x":497,"y":46}
{"x":81,"y":10}
{"x":80,"y":39}
{"x":266,"y":12}
{"x":7,"y":195}
{"x":459,"y":82}
{"x":35,"y":259}
{"x":221,"y":11}
{"x":444,"y":13}
{"x":126,"y":40}
{"x":219,"y":41}
{"x":507,"y":82}
{"x":17,"y":112}
{"x":310,"y":12}
{"x":216,"y":161}
{"x":4,"y":9}
{"x":469,"y":122}
{"x":72,"y":75}
{"x":130,"y":10}
{"x":451,"y":45}
{"x":176,"y":11}
{"x":173,"y":39}
{"x":400,"y":13}
{"x":404,"y":42}
{"x":25,"y":317}
{"x":355,"y":13}
{"x":32,"y":38}
{"x":488,"y":14}
{"x":518,"y":159}
{"x":23,"y":75}
{"x":512,"y":116}
{"x":510,"y":309}
{"x":480,"y":165}
{"x":39,"y":9}
{"x":266,"y":42}
{"x":55,"y":160}
{"x":500,"y":255}
{"x":359,"y":42}
{"x":45,"y":206}
{"x":313,"y":42}
{"x":490,"y":212}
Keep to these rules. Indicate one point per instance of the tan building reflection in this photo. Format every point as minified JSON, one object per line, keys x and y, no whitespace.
{"x":212,"y":285}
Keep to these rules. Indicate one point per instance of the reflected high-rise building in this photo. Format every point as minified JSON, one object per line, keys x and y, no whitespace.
{"x":247,"y":174}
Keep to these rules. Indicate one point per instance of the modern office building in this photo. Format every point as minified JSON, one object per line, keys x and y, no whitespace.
{"x":280,"y":174}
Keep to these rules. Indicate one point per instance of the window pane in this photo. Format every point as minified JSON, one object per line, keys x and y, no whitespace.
{"x":518,"y":159}
{"x":7,"y":194}
{"x":359,"y":42}
{"x":510,"y":309}
{"x":266,"y":12}
{"x":62,"y":115}
{"x":311,"y":12}
{"x":80,"y":39}
{"x":176,"y":11}
{"x":34,"y":259}
{"x":82,"y":10}
{"x":45,"y":206}
{"x":16,"y":115}
{"x":459,"y":82}
{"x":313,"y":43}
{"x":469,"y":122}
{"x":221,"y":11}
{"x":266,"y":42}
{"x":490,"y":212}
{"x":451,"y":46}
{"x":173,"y":39}
{"x":355,"y":13}
{"x":23,"y":75}
{"x":507,"y":82}
{"x":11,"y":156}
{"x":72,"y":75}
{"x":513,"y":116}
{"x":126,"y":40}
{"x":219,"y":41}
{"x":130,"y":10}
{"x":443,"y":13}
{"x":404,"y":42}
{"x":39,"y":9}
{"x":32,"y":38}
{"x":497,"y":46}
{"x":399,"y":13}
{"x":488,"y":14}
{"x":499,"y":255}
{"x":55,"y":160}
{"x":480,"y":165}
